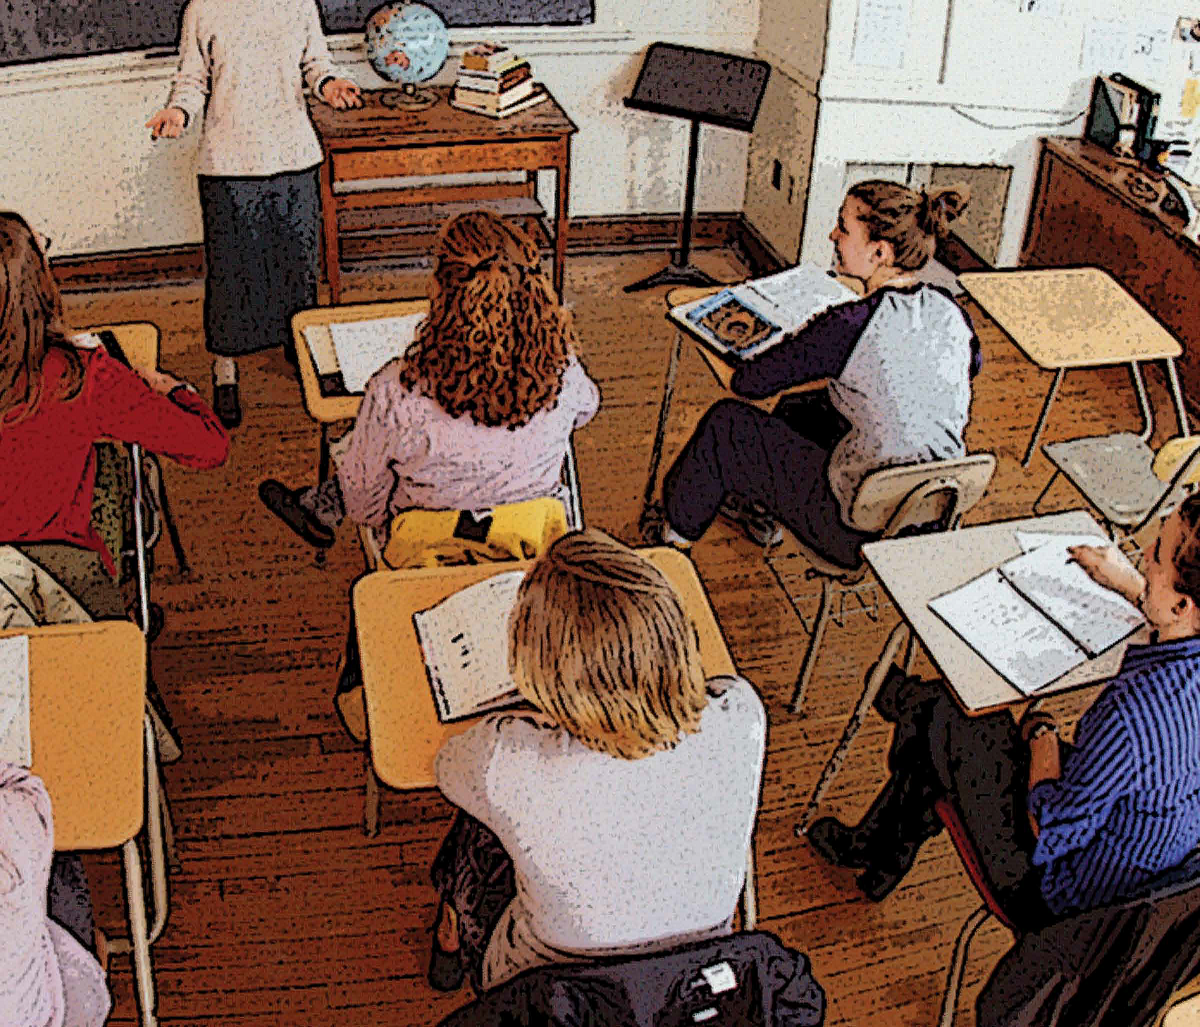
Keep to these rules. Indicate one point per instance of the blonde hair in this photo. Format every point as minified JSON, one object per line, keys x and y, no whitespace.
{"x":600,"y":642}
{"x":911,"y":220}
{"x":496,"y":341}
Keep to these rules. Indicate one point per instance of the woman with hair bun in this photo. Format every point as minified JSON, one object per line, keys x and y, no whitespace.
{"x":480,"y":408}
{"x":900,"y":360}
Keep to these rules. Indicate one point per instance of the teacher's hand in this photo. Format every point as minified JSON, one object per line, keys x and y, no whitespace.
{"x":342,"y":93}
{"x":169,"y":122}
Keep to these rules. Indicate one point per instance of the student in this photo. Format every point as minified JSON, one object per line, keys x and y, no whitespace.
{"x":1059,"y":828}
{"x":479,"y":411}
{"x":625,"y":801}
{"x":900,"y":361}
{"x":244,"y":66}
{"x":47,"y":978}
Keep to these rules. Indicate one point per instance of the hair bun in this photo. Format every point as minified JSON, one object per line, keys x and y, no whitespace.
{"x":941,"y":206}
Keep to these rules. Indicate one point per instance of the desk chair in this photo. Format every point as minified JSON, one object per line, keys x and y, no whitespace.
{"x":889,"y":502}
{"x":94,"y":748}
{"x":947,"y":813}
{"x":1122,"y":477}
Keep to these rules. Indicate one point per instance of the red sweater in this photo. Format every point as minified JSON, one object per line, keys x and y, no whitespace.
{"x":47,"y":459}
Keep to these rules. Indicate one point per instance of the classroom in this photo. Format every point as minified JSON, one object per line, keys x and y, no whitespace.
{"x":1009,"y":185}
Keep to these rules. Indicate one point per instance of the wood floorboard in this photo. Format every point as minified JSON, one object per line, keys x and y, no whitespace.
{"x":284,"y":913}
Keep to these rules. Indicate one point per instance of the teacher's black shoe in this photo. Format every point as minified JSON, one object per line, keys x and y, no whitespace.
{"x":837,"y":844}
{"x":284,"y":503}
{"x":226,"y":405}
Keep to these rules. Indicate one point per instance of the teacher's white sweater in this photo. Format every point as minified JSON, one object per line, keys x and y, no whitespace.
{"x":243,"y":66}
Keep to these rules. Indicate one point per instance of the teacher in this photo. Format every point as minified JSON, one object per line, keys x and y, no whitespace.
{"x":244,"y":66}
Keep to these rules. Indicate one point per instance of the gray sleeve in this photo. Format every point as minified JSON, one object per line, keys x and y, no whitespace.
{"x":463,"y":764}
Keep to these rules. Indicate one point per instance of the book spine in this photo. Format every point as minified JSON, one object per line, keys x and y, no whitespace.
{"x":492,"y":101}
{"x":491,"y":62}
{"x":494,"y":83}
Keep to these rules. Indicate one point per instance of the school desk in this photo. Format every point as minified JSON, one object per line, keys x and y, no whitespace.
{"x":405,"y":733}
{"x":93,"y":748}
{"x":1064,"y":318}
{"x":375,"y":142}
{"x":912,"y":571}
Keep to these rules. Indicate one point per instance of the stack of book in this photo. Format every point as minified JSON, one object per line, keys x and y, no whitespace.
{"x":495,"y":81}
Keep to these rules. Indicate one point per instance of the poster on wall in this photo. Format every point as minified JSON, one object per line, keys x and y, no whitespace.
{"x":881,"y":32}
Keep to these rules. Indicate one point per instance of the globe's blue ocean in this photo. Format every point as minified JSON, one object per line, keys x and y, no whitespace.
{"x":407,"y":42}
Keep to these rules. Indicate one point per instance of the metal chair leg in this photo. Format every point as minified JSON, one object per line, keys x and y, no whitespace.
{"x":1042,"y":495}
{"x":135,"y":900}
{"x":750,"y":893}
{"x":660,"y":435}
{"x":958,"y":963}
{"x":168,"y":829}
{"x":874,"y":683}
{"x":155,"y":797}
{"x":814,"y":644}
{"x":1041,"y":421}
{"x":370,"y":797}
{"x":173,"y":533}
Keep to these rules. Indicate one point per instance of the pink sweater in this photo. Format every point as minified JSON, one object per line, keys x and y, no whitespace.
{"x":244,"y":64}
{"x":406,"y":452}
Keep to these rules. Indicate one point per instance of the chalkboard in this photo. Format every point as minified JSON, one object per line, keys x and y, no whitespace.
{"x":38,"y":30}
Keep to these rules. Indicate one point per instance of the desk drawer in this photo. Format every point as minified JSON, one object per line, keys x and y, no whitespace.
{"x":520,"y":155}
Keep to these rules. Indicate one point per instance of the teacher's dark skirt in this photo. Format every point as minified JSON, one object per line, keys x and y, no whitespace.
{"x":260,"y":248}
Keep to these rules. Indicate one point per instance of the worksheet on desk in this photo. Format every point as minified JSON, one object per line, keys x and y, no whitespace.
{"x":15,"y":742}
{"x":363,"y":347}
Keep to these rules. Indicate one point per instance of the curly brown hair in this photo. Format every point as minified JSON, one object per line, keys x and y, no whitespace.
{"x":30,"y":319}
{"x":496,"y":341}
{"x":911,"y":220}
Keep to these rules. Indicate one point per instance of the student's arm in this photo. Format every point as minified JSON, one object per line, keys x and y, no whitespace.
{"x":818,"y":350}
{"x":25,"y":827}
{"x":124,"y":406}
{"x":381,"y":438}
{"x":463,"y":764}
{"x":192,"y":79}
{"x":585,"y":393}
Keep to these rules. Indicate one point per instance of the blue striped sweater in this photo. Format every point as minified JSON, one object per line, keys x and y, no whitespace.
{"x":1127,"y":806}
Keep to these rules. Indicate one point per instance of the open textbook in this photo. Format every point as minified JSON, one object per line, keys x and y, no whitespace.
{"x":1038,"y":616}
{"x":465,"y":643}
{"x":742,"y":321}
{"x":15,"y":743}
{"x":363,"y":347}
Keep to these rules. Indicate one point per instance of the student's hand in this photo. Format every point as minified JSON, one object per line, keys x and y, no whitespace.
{"x":160,"y":381}
{"x":169,"y":122}
{"x":342,"y":93}
{"x":1106,"y":566}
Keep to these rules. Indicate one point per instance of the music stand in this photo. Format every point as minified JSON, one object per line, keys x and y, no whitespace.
{"x":702,"y":86}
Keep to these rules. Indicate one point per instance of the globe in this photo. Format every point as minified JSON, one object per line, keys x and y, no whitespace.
{"x":407,"y":43}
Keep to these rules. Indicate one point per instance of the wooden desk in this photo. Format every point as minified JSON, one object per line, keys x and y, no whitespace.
{"x":1063,"y":318}
{"x":375,"y":141}
{"x":913,"y":571}
{"x":405,"y":733}
{"x":316,"y":359}
{"x":1091,"y":208}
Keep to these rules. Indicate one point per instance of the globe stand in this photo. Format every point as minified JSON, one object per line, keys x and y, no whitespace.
{"x":408,"y":98}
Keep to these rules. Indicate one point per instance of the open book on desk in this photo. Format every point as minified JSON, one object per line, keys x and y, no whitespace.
{"x":465,"y":643}
{"x":362,"y":348}
{"x":1037,"y":616}
{"x":744,"y":320}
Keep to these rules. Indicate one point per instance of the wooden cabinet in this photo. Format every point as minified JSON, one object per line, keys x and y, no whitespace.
{"x":1090,"y":208}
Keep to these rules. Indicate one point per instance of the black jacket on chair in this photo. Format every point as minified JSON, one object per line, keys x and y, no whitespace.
{"x":1115,"y":966}
{"x":747,"y":980}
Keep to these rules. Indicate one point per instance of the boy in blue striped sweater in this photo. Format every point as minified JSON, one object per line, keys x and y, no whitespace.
{"x":1060,"y":828}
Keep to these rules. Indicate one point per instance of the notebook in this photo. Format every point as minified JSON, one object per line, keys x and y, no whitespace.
{"x":363,"y":347}
{"x":743,"y":321}
{"x":464,"y":640}
{"x":1038,"y":615}
{"x":15,"y":742}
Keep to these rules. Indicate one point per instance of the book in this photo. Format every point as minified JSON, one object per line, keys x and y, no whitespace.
{"x":485,"y":82}
{"x":487,"y":57}
{"x":537,"y":96}
{"x":464,"y":640}
{"x":15,"y":742}
{"x":1038,"y":615}
{"x":743,"y":321}
{"x":363,"y":347}
{"x":494,"y":101}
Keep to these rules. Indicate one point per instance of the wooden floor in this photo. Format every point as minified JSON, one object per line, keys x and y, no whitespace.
{"x":283,"y":912}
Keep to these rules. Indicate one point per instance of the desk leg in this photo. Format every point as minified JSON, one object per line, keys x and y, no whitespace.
{"x":660,"y":434}
{"x":1177,"y":396}
{"x":874,"y":682}
{"x":562,"y":184}
{"x":332,"y":251}
{"x":135,"y":901}
{"x":1041,"y":421}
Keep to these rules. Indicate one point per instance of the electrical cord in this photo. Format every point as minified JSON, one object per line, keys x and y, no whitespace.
{"x":1025,"y":124}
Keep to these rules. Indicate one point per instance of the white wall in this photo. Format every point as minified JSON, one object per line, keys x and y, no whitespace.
{"x":76,"y":160}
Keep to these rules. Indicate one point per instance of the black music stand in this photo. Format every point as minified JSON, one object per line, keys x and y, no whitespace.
{"x":701,"y":85}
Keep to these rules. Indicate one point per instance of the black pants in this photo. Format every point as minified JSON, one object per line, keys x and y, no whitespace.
{"x":981,"y":765}
{"x":771,"y":459}
{"x":473,"y":874}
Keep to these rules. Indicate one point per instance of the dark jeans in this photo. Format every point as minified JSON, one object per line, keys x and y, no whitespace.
{"x":474,"y":876}
{"x":762,"y":458}
{"x":982,"y":766}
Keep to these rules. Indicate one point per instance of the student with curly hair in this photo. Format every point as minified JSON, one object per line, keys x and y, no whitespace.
{"x":480,"y":408}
